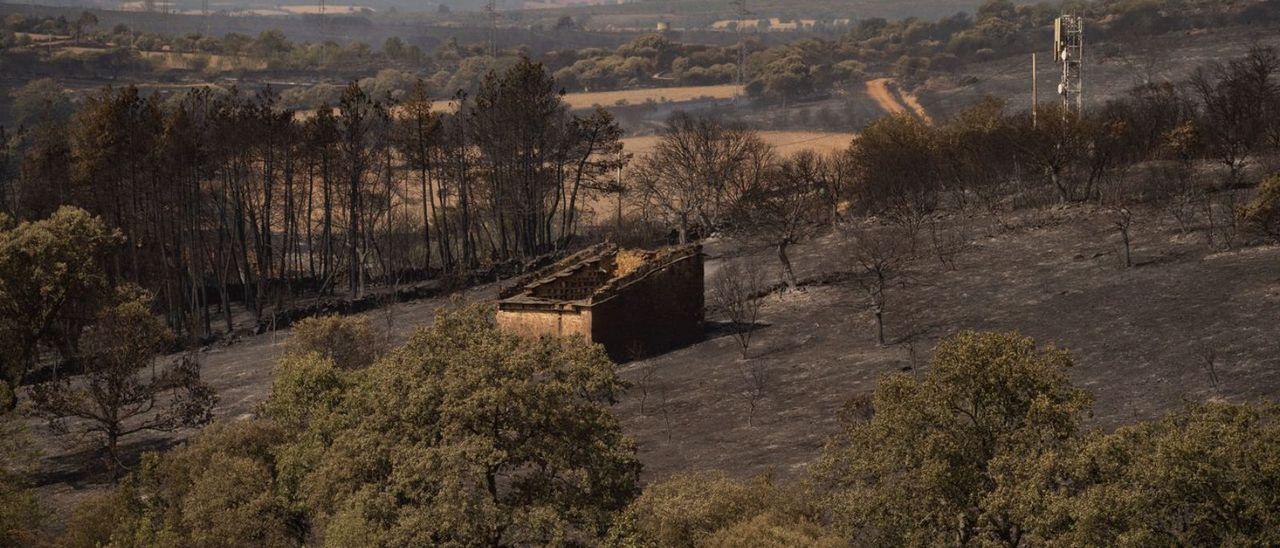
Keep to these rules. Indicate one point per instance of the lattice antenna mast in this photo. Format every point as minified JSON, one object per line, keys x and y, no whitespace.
{"x":492,"y":10}
{"x":1068,"y":47}
{"x":742,"y":13}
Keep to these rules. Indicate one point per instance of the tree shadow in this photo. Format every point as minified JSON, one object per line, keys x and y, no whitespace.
{"x":717,"y":330}
{"x":88,"y":465}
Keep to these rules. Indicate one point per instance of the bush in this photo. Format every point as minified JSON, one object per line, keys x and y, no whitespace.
{"x":350,"y":342}
{"x":770,"y":530}
{"x":1262,"y":215}
{"x":938,"y":458}
{"x":306,"y":387}
{"x":468,"y":435}
{"x":1206,"y":476}
{"x":464,"y":436}
{"x":710,"y":509}
{"x":20,"y":513}
{"x":217,"y":490}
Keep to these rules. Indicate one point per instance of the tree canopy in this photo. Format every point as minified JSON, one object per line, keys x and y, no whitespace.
{"x":464,"y":435}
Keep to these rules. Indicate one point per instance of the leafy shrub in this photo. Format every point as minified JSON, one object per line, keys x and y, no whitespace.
{"x":1262,"y":215}
{"x":349,"y":341}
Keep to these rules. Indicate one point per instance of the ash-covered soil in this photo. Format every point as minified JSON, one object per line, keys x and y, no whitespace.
{"x":1111,"y":68}
{"x":1138,"y":335}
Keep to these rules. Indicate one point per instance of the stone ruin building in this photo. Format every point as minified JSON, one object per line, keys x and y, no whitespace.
{"x":634,"y":303}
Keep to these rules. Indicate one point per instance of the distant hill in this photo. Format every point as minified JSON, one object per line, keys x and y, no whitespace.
{"x":1112,"y":68}
{"x":670,"y":10}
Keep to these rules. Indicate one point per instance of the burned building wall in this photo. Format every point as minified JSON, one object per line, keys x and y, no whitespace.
{"x":540,"y":321}
{"x":659,"y":311}
{"x":653,"y":304}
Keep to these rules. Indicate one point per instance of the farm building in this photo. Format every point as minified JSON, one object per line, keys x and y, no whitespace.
{"x":634,"y":303}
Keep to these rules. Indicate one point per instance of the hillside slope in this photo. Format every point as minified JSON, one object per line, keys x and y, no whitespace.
{"x":1111,"y":68}
{"x":1138,"y":336}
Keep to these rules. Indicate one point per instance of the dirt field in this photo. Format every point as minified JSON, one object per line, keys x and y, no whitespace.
{"x":786,"y":142}
{"x":578,"y":101}
{"x":1135,"y":334}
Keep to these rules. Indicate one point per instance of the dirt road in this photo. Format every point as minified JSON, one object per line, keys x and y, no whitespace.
{"x":893,"y":100}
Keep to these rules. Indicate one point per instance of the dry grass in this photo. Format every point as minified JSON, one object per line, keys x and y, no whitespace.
{"x":659,"y":95}
{"x":628,"y":261}
{"x":328,"y":9}
{"x":786,"y":142}
{"x":579,"y":101}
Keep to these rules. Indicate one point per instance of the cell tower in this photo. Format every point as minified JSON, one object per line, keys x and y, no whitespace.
{"x":1068,"y":47}
{"x":492,"y":9}
{"x":742,"y":13}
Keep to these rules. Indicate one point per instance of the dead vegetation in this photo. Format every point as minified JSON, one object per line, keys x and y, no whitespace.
{"x":1139,"y":335}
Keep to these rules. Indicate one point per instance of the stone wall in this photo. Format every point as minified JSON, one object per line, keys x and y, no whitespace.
{"x":655,"y":313}
{"x":547,"y":320}
{"x":650,"y":310}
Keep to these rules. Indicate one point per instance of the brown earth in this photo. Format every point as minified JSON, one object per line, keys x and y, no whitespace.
{"x":592,"y":99}
{"x":785,"y":142}
{"x":893,"y":100}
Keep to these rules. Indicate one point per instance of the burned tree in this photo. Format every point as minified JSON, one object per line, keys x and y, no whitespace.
{"x":783,"y":208}
{"x":976,"y":144}
{"x":537,"y":157}
{"x":1056,"y":145}
{"x":122,"y":392}
{"x":417,"y":136}
{"x":358,"y":119}
{"x":1237,"y":102}
{"x":735,"y":292}
{"x":696,"y":169}
{"x":879,"y":255}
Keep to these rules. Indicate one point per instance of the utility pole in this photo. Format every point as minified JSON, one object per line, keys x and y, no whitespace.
{"x":1068,"y":47}
{"x":321,"y":20}
{"x":742,"y":13}
{"x":1035,"y":92}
